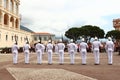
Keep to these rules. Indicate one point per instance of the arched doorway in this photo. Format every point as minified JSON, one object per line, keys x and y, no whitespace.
{"x":16,"y":23}
{"x":11,"y":22}
{"x":6,"y":19}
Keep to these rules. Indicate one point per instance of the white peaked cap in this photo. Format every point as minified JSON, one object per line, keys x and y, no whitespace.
{"x":71,"y":40}
{"x":96,"y":38}
{"x":26,"y":41}
{"x":83,"y":39}
{"x":38,"y":40}
{"x":49,"y":41}
{"x":60,"y":40}
{"x":109,"y":38}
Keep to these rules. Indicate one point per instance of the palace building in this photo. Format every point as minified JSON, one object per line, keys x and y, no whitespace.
{"x":10,"y":24}
{"x":43,"y":36}
{"x":11,"y":30}
{"x":116,"y":24}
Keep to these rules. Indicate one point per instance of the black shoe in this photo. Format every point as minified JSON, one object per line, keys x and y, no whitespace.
{"x":49,"y":63}
{"x":83,"y":64}
{"x":14,"y":63}
{"x":61,"y":64}
{"x":38,"y":63}
{"x":27,"y":63}
{"x":96,"y":64}
{"x":72,"y":64}
{"x":109,"y":64}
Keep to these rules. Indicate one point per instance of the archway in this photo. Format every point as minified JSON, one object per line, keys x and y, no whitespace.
{"x":6,"y":19}
{"x":12,"y":22}
{"x":16,"y":23}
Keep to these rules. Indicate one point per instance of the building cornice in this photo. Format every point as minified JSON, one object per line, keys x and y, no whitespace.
{"x":15,"y":30}
{"x":10,"y":13}
{"x":42,"y":33}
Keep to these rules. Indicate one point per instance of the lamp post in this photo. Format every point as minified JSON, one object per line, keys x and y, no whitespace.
{"x":39,"y":38}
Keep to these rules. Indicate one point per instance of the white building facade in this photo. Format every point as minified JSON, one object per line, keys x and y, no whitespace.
{"x":10,"y":24}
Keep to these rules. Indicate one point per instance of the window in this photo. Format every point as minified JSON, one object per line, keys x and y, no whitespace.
{"x":35,"y":38}
{"x":11,"y":5}
{"x":45,"y":38}
{"x":12,"y":38}
{"x":5,"y":4}
{"x":16,"y":9}
{"x":16,"y":38}
{"x":6,"y":37}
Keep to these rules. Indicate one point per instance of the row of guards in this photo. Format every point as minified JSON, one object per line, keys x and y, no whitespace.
{"x":72,"y":49}
{"x":32,"y":49}
{"x":89,"y":49}
{"x":8,"y":49}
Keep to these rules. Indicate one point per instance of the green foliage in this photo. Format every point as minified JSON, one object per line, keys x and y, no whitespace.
{"x":72,"y":33}
{"x":114,"y":33}
{"x":87,"y":30}
{"x":93,"y":31}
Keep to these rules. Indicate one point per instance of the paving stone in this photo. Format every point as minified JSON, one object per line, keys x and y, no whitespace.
{"x":46,"y":74}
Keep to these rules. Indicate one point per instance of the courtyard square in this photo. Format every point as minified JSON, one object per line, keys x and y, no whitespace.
{"x":33,"y":71}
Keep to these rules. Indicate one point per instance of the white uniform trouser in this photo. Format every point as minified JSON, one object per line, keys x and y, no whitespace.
{"x":56,"y":50}
{"x":15,"y":57}
{"x":49,"y":56}
{"x":96,"y":56}
{"x":61,"y":56}
{"x":110,"y":56}
{"x":72,"y":56}
{"x":83,"y":56}
{"x":26,"y":53}
{"x":39,"y":56}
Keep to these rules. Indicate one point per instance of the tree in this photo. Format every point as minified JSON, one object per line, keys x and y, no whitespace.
{"x":93,"y":31}
{"x":84,"y":31}
{"x":72,"y":33}
{"x":113,"y":33}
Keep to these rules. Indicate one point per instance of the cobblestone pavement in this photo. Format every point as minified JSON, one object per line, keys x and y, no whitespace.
{"x":45,"y":74}
{"x":32,"y":71}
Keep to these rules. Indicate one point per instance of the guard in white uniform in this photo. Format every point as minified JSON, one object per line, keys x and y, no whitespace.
{"x":83,"y":50}
{"x":49,"y":49}
{"x":43,"y":49}
{"x":109,"y":49}
{"x":26,"y":49}
{"x":56,"y":48}
{"x":15,"y":53}
{"x":39,"y":50}
{"x":61,"y":47}
{"x":95,"y":48}
{"x":72,"y":49}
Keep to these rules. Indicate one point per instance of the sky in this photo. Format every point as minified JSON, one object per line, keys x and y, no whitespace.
{"x":57,"y":16}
